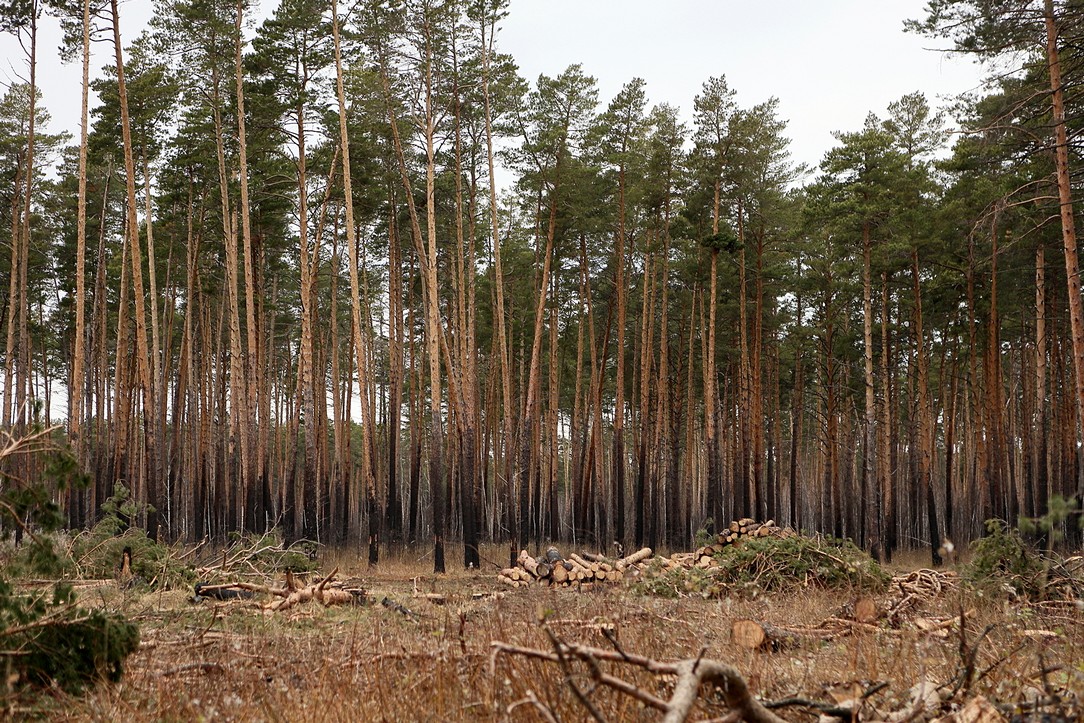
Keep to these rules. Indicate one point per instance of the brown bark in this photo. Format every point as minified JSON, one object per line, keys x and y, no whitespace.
{"x":924,"y":412}
{"x":1068,"y":223}
{"x":395,"y":372}
{"x":76,"y":392}
{"x":641,"y":496}
{"x":502,"y":335}
{"x":252,"y":457}
{"x":870,"y":481}
{"x":23,"y":372}
{"x":884,"y":470}
{"x":14,"y":297}
{"x":1040,"y":478}
{"x":360,"y":345}
{"x":619,"y":378}
{"x":142,"y":350}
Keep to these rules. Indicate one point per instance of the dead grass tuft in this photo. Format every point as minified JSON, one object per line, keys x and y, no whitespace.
{"x":227,"y":660}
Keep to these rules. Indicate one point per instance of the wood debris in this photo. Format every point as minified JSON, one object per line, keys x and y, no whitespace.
{"x":554,"y":568}
{"x":735,"y":532}
{"x":292,"y":593}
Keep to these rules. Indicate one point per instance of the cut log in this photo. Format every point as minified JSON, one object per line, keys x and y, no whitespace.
{"x":753,"y":635}
{"x":636,"y":557}
{"x":553,"y":555}
{"x":559,"y":574}
{"x":865,"y":610}
{"x":577,"y":560}
{"x":336,"y":596}
{"x":539,"y":568}
{"x":747,"y":634}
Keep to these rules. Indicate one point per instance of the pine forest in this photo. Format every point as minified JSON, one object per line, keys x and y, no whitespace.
{"x":336,"y":269}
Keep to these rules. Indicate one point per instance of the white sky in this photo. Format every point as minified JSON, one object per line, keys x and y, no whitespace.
{"x":830,"y":62}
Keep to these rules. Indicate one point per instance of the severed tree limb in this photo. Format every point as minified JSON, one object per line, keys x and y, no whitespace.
{"x":542,"y":708}
{"x":691,"y":675}
{"x":292,"y":594}
{"x":726,"y":679}
{"x":562,"y":660}
{"x":201,"y":667}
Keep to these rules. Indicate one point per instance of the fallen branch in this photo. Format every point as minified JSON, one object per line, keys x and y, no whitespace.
{"x":392,"y":605}
{"x":691,"y":675}
{"x":200,"y":667}
{"x":291,"y":594}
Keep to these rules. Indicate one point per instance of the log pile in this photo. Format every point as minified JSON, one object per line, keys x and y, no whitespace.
{"x":734,"y":533}
{"x":553,"y":568}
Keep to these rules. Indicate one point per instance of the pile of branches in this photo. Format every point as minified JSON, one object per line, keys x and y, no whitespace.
{"x":899,"y":609}
{"x":553,"y":569}
{"x":748,"y":556}
{"x":788,"y":563}
{"x":1003,"y":563}
{"x":260,"y":555}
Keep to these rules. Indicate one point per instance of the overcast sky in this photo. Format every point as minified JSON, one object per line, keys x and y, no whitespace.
{"x":830,"y":62}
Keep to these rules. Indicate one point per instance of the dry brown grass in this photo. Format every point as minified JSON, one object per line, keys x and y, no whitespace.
{"x":231,"y":661}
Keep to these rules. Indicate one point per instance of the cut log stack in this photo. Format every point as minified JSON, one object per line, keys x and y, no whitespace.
{"x":736,"y":532}
{"x":554,"y":569}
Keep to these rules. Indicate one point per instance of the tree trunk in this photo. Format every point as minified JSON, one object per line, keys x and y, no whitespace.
{"x":142,"y":351}
{"x":1068,"y":224}
{"x":870,"y":481}
{"x":252,"y":457}
{"x":923,"y":409}
{"x":76,"y":392}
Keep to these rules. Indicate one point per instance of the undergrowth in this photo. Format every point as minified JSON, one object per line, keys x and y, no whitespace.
{"x":97,"y":553}
{"x":775,"y":564}
{"x":46,"y":639}
{"x":1003,"y":564}
{"x":771,"y":564}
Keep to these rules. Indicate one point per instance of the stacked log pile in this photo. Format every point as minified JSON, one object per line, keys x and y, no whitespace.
{"x":734,"y":533}
{"x":554,"y":568}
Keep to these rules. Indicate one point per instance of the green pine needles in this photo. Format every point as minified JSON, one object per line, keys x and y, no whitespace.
{"x":54,"y":642}
{"x":46,"y":639}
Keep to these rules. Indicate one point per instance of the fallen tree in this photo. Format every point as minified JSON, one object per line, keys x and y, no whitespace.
{"x":291,"y":594}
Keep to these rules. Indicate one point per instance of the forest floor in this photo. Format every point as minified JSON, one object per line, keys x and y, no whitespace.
{"x":232,"y":660}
